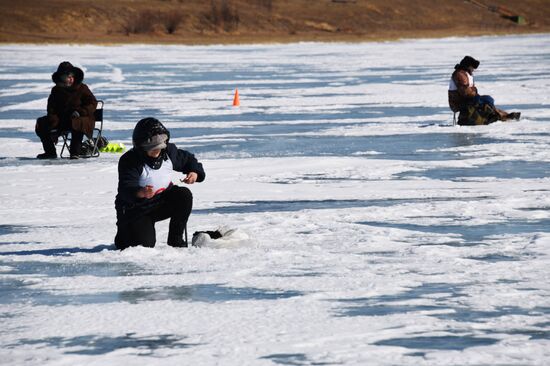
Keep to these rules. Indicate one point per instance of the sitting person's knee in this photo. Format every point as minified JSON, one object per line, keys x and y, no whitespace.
{"x":41,"y":126}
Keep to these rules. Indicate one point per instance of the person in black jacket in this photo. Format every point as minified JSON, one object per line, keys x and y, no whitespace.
{"x":145,"y":190}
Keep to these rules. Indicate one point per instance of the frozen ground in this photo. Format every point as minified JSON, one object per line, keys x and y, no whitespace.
{"x":378,"y":234}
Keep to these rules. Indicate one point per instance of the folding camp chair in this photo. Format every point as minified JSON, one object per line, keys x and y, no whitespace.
{"x":96,"y":135}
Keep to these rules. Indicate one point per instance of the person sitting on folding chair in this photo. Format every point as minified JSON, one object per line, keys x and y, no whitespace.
{"x":145,"y":190}
{"x":463,"y":97}
{"x":71,"y":107}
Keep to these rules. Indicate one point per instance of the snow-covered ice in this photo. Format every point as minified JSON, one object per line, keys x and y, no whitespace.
{"x":372,"y":231}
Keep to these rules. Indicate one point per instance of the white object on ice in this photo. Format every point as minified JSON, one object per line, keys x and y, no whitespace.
{"x":230,"y":238}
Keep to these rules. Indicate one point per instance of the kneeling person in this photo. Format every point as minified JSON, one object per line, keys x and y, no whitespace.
{"x":145,"y":190}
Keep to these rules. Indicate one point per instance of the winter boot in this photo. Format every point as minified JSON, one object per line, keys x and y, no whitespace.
{"x":514,"y":115}
{"x":47,"y":155}
{"x":177,"y":242}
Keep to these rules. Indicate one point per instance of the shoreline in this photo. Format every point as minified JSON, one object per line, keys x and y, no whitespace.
{"x":268,"y":40}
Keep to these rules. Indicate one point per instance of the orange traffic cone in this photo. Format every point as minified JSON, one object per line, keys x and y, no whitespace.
{"x":236,"y":101}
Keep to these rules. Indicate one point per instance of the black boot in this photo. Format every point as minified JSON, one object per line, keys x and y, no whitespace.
{"x":49,"y":149}
{"x":514,"y":115}
{"x":47,"y":156}
{"x":47,"y":145}
{"x":177,"y":242}
{"x":44,"y":132}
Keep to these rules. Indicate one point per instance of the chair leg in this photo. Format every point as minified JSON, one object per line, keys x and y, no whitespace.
{"x":65,"y":147}
{"x":95,"y":152}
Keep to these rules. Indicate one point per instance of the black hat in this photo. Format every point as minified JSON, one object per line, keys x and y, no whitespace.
{"x":66,"y":68}
{"x":150,"y":134}
{"x":468,"y":61}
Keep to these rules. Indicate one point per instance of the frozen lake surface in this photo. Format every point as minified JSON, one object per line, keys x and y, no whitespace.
{"x":369,"y":229}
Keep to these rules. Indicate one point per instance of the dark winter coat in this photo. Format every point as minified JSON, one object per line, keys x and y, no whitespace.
{"x":63,"y":101}
{"x":464,"y":95}
{"x":130,"y":168}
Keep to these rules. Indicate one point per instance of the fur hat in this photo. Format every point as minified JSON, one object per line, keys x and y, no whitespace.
{"x":466,"y":62}
{"x":66,"y":68}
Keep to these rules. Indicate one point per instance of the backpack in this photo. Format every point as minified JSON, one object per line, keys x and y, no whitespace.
{"x":88,"y":145}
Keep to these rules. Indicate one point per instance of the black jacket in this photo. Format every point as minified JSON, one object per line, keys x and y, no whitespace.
{"x":130,"y":167}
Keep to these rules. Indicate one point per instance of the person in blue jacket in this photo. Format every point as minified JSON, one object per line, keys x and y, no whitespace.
{"x":146,"y":194}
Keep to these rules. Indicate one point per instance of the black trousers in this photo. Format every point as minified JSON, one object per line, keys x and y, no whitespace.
{"x":175,"y":203}
{"x":44,"y":131}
